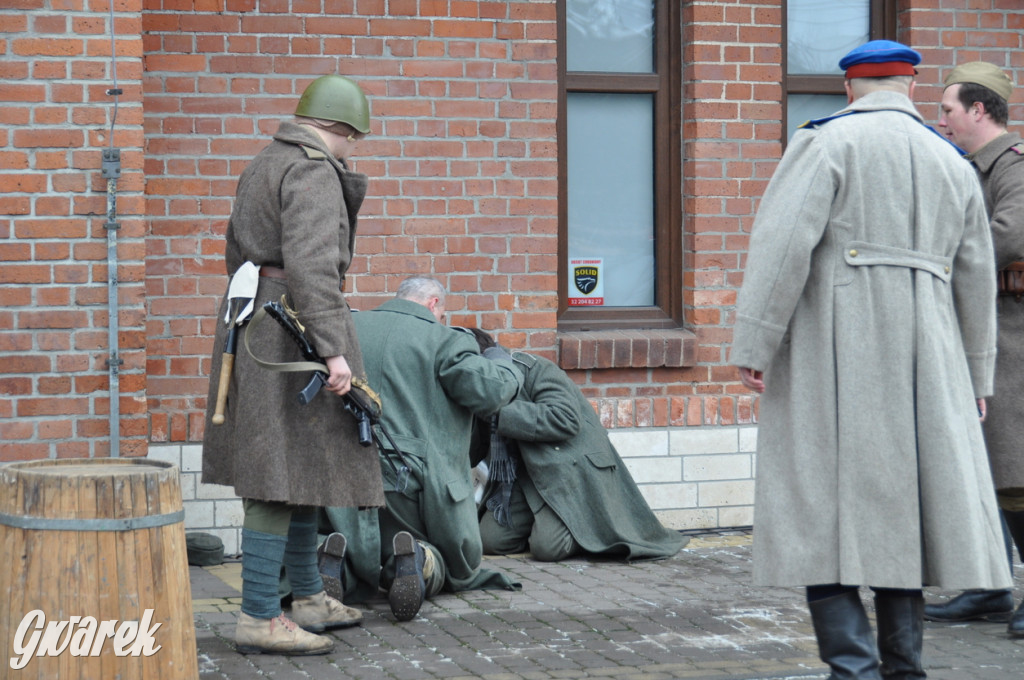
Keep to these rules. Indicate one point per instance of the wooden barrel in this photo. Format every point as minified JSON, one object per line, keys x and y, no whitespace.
{"x":93,"y":574}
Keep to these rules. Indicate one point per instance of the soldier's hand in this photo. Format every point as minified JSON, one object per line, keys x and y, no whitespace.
{"x":339,"y":379}
{"x":752,"y":379}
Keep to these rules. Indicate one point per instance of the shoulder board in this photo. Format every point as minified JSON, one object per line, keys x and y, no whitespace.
{"x":817,"y":122}
{"x":523,"y":358}
{"x":313,"y":154}
{"x":1018,"y":148}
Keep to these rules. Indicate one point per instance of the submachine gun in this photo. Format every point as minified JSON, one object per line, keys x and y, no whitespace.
{"x":361,"y":401}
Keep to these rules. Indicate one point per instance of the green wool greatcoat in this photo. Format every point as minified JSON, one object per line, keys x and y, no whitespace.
{"x":868,"y":301}
{"x":576,"y":470}
{"x":295,"y":209}
{"x":432,"y":381}
{"x":1000,"y":165}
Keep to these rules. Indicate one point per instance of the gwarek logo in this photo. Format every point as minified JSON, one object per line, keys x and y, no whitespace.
{"x":81,"y":636}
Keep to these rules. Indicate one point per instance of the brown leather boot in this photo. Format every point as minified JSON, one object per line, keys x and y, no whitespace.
{"x":321,"y":611}
{"x":279,"y":635}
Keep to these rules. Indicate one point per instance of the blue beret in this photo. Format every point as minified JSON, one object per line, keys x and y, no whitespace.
{"x":880,"y":58}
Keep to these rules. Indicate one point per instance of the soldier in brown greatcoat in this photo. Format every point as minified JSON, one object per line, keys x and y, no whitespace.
{"x":294,"y":216}
{"x":974,"y":117}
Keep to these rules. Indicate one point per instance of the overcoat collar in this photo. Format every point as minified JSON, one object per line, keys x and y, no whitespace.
{"x":353,"y":184}
{"x":409,"y":307}
{"x":985,"y":157}
{"x":290,"y":132}
{"x":885,"y":100}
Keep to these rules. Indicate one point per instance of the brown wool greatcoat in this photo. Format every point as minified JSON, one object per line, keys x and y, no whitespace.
{"x":869,"y":302}
{"x":295,"y":208}
{"x":1000,"y":165}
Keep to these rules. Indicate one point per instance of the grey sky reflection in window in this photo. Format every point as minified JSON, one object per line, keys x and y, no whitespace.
{"x":820,"y":32}
{"x":614,"y":36}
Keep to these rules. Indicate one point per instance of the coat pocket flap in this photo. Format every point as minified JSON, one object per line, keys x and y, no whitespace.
{"x":459,"y":489}
{"x":414,"y":446}
{"x":602,"y":460}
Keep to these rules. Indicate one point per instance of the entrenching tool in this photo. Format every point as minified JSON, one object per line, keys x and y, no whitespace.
{"x":241,"y":293}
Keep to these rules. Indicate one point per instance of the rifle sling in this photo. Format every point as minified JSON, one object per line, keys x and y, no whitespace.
{"x":285,"y":367}
{"x":296,"y":366}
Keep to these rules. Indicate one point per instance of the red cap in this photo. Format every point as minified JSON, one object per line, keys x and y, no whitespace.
{"x":881,"y":69}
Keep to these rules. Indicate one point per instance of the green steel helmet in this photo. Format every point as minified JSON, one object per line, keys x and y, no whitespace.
{"x":336,"y":98}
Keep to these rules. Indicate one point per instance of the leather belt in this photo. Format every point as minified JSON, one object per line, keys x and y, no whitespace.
{"x":1010,"y":281}
{"x":272,"y":272}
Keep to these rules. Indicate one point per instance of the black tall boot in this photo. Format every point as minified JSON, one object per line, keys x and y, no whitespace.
{"x":845,"y":639}
{"x":1015,"y":525}
{"x":979,"y":605}
{"x":900,"y":615}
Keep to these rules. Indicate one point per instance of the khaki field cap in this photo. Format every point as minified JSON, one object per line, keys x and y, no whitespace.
{"x":336,"y":98}
{"x":984,"y":74}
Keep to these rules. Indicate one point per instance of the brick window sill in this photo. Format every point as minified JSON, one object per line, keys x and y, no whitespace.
{"x":627,"y":349}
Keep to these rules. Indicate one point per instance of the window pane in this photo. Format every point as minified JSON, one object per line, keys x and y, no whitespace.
{"x":821,"y":32}
{"x":804,"y":107}
{"x":610,"y":159}
{"x":610,"y":35}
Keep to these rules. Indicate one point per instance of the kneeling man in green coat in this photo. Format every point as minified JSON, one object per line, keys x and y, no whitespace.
{"x":433,"y":382}
{"x":557,"y":485}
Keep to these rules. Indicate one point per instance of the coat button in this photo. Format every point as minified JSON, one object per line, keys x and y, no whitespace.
{"x":947,"y":270}
{"x":853,"y":253}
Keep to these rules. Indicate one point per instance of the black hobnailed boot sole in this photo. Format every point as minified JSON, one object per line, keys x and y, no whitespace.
{"x":994,"y":606}
{"x":408,"y":589}
{"x":331,"y":563}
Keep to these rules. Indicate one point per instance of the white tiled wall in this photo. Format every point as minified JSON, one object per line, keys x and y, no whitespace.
{"x":693,"y":478}
{"x":208,"y":507}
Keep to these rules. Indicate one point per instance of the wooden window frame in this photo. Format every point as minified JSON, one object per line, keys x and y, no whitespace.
{"x":881,"y":26}
{"x":665,"y":84}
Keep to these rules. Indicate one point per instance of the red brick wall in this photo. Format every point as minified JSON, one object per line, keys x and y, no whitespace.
{"x":463,"y":161}
{"x":731,"y":141}
{"x":55,"y":118}
{"x":950,"y":33}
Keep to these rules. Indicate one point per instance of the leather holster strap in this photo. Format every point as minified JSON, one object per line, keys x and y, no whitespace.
{"x":272,"y":272}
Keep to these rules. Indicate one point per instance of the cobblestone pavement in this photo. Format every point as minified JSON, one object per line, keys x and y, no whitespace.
{"x":693,"y":616}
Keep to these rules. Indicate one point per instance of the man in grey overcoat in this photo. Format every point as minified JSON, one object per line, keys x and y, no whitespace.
{"x":295,"y":217}
{"x":974,"y":117}
{"x":432,"y":381}
{"x":867,"y":319}
{"x":560,"y":488}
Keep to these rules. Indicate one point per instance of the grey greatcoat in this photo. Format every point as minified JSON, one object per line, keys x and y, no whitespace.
{"x":869,"y":302}
{"x":572,"y":466}
{"x":295,"y":209}
{"x":1000,"y":165}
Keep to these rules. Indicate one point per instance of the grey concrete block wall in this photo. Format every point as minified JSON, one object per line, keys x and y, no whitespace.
{"x":693,"y":478}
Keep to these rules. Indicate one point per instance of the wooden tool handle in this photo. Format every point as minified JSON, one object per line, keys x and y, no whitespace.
{"x":227,"y":363}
